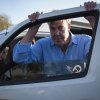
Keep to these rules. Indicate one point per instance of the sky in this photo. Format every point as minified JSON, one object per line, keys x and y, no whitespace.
{"x":18,"y":10}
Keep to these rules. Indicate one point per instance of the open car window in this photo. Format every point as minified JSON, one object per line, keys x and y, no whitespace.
{"x":48,"y":71}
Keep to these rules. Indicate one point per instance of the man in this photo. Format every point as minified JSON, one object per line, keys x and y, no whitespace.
{"x":52,"y":51}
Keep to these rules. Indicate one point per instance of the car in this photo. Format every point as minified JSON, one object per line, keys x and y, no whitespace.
{"x":28,"y":81}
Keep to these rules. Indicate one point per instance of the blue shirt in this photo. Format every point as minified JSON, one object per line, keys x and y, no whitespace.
{"x":45,"y":51}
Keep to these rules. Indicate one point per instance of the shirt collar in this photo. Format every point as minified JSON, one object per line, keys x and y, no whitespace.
{"x":73,"y":40}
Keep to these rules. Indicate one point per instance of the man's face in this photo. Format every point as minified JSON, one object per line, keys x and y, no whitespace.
{"x":59,"y":31}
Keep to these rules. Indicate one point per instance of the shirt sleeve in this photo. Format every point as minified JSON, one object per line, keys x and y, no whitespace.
{"x":28,"y":53}
{"x":22,"y":53}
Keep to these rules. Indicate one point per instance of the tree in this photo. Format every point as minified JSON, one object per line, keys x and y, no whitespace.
{"x":4,"y":22}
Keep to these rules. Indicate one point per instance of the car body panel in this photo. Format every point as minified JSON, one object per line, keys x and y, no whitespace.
{"x":85,"y":88}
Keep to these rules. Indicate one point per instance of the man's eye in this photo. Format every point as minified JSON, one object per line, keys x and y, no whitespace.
{"x":61,"y":28}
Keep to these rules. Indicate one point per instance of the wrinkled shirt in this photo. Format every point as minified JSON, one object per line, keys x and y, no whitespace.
{"x":46,"y":52}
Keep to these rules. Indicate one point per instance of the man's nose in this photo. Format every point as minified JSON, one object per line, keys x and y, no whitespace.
{"x":57,"y":32}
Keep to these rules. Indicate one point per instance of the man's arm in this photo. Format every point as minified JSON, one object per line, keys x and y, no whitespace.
{"x":32,"y":30}
{"x":22,"y":50}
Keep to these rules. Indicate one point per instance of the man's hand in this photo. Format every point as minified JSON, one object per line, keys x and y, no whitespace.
{"x":33,"y":17}
{"x":32,"y":30}
{"x":90,"y":6}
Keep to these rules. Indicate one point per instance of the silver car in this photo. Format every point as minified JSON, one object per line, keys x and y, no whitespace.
{"x":29,"y":82}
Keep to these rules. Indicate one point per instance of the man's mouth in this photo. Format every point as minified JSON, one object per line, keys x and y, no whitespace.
{"x":59,"y":40}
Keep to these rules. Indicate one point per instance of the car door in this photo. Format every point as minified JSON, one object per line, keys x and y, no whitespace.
{"x":73,"y":86}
